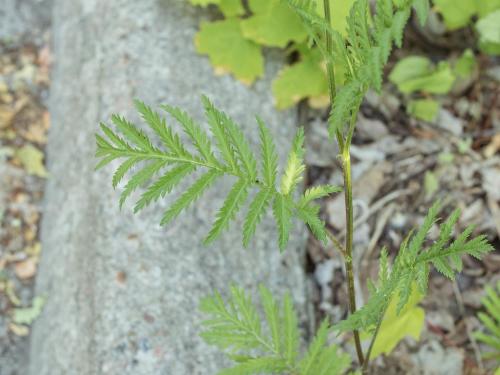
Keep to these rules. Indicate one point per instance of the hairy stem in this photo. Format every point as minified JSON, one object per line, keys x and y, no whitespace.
{"x":346,"y":166}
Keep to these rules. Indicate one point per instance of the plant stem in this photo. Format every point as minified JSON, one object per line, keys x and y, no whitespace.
{"x":346,"y":167}
{"x":372,"y":343}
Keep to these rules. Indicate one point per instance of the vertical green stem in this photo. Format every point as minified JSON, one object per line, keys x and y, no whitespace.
{"x":346,"y":166}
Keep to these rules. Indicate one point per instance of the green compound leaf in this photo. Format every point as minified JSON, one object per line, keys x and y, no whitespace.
{"x":162,"y":168}
{"x":423,"y":109}
{"x":273,"y":24}
{"x":270,"y":345}
{"x":422,"y":9}
{"x":229,"y":51}
{"x":306,"y":78}
{"x":491,"y":321}
{"x":416,"y":73}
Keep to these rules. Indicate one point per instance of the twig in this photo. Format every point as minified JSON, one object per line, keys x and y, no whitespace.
{"x":381,"y":203}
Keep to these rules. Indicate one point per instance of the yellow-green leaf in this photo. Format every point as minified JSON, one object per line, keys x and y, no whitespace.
{"x":32,"y":160}
{"x":488,"y":28}
{"x":465,"y":65}
{"x":416,"y":73}
{"x":423,"y":109}
{"x":456,"y":14}
{"x":229,"y":51}
{"x":28,"y":314}
{"x":485,"y":7}
{"x":394,"y":328}
{"x":339,"y":10}
{"x":231,"y":7}
{"x":204,"y":3}
{"x":306,"y":78}
{"x":273,"y":24}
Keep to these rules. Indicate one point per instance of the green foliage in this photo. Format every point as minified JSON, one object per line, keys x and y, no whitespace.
{"x":304,"y":79}
{"x":174,"y":160}
{"x":488,"y":29}
{"x":364,"y":52}
{"x":395,"y":326}
{"x":465,"y":65}
{"x":271,"y":23}
{"x":235,"y":326}
{"x":491,"y":320}
{"x":229,"y":51}
{"x":412,"y":265}
{"x":459,"y":14}
{"x":27,"y":315}
{"x":416,"y":73}
{"x":423,"y":109}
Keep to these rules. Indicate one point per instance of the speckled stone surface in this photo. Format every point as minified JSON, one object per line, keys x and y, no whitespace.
{"x":24,"y":18}
{"x":122,"y":291}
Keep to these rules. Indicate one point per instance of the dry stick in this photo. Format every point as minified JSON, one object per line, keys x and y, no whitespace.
{"x":346,"y":166}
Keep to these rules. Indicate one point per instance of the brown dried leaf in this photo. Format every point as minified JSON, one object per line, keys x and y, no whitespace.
{"x":19,"y":329}
{"x":26,"y":269}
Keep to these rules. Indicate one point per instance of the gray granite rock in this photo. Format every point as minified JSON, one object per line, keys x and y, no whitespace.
{"x":122,"y":292}
{"x":24,"y":18}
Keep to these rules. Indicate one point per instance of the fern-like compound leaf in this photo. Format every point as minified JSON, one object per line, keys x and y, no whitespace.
{"x":290,"y":330}
{"x":422,"y":9}
{"x":141,"y":177}
{"x":317,"y":192}
{"x":163,"y":163}
{"x":295,"y":166}
{"x":261,"y":365}
{"x":232,"y":204}
{"x":365,"y":50}
{"x":273,"y":318}
{"x":412,"y":264}
{"x":491,"y":320}
{"x":315,"y":349}
{"x":190,"y":195}
{"x":255,"y":212}
{"x":269,"y":156}
{"x":194,"y":131}
{"x":164,"y":185}
{"x":234,"y":326}
{"x":282,"y":210}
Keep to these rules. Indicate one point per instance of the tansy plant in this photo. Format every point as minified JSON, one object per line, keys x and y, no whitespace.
{"x":235,"y":325}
